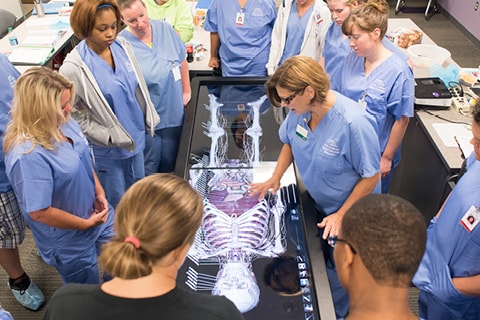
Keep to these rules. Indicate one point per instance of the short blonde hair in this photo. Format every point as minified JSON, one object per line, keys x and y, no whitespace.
{"x":85,"y":12}
{"x":163,"y":212}
{"x":295,"y":74}
{"x":37,"y":112}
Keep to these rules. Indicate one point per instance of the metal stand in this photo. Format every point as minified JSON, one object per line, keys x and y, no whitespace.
{"x":430,"y":9}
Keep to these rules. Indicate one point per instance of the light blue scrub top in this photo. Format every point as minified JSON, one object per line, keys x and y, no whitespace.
{"x":244,"y":49}
{"x":158,"y":65}
{"x":451,"y":250}
{"x":388,"y":91}
{"x":295,"y":32}
{"x":341,"y":150}
{"x":8,"y":76}
{"x":63,"y":179}
{"x":335,"y":49}
{"x":118,"y":87}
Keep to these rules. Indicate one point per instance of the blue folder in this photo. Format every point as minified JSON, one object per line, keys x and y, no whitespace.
{"x":51,"y":8}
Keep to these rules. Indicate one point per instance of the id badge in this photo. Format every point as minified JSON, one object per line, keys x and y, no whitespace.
{"x":362,"y":101}
{"x":470,"y":219}
{"x":176,"y":73}
{"x":301,"y":132}
{"x":240,"y":18}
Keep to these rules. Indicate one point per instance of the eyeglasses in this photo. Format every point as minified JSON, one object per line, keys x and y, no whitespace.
{"x":288,"y":99}
{"x":332,"y":241}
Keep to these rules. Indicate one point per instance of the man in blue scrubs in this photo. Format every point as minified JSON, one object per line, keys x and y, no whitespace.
{"x":240,"y":36}
{"x":449,"y":274}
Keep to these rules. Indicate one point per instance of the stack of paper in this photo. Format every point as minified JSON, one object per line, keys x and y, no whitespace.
{"x":36,"y":48}
{"x":44,"y":38}
{"x":30,"y":55}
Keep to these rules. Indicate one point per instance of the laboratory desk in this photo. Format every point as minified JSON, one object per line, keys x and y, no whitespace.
{"x":429,"y":168}
{"x":230,"y":139}
{"x":35,"y":26}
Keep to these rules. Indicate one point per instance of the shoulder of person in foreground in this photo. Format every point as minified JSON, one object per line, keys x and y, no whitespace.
{"x":211,"y":307}
{"x":69,"y":299}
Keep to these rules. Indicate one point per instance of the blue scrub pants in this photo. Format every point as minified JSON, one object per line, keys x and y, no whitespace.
{"x":81,"y":265}
{"x":341,"y":302}
{"x":387,"y":181}
{"x":161,"y":151}
{"x":116,"y":176}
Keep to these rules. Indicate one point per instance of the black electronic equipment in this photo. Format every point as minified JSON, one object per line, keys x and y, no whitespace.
{"x":432,"y":93}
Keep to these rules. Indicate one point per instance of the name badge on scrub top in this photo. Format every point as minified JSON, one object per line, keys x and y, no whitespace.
{"x":301,"y":132}
{"x":176,"y":73}
{"x":240,"y":18}
{"x":470,"y":219}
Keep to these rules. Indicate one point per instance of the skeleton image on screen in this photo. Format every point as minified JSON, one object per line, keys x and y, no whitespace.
{"x":236,"y":228}
{"x":250,"y":124}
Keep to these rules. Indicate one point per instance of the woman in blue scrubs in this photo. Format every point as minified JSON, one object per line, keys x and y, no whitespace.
{"x":112,"y":105}
{"x":337,"y":44}
{"x":379,"y":80}
{"x":161,"y":56}
{"x":240,"y":36}
{"x":50,"y":166}
{"x":334,"y":145}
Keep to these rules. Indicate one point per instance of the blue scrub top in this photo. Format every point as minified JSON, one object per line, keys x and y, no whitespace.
{"x":453,"y":251}
{"x":295,"y":32}
{"x":388,"y":91}
{"x":62,"y":178}
{"x":341,"y":150}
{"x":8,"y":77}
{"x":244,"y":49}
{"x":159,"y":64}
{"x":335,"y":49}
{"x":118,"y":87}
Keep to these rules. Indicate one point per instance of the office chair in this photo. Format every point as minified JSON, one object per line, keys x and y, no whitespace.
{"x":7,"y":19}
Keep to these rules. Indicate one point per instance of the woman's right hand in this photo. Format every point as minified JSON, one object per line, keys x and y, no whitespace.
{"x":98,"y":217}
{"x":262,"y":188}
{"x":214,"y":62}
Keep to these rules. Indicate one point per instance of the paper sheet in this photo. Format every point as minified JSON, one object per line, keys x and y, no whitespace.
{"x":41,"y":40}
{"x":464,"y":145}
{"x":448,"y":132}
{"x":264,"y":171}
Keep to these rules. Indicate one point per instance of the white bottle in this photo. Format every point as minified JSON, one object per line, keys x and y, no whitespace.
{"x":12,"y":38}
{"x":39,"y":8}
